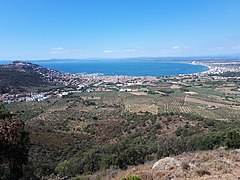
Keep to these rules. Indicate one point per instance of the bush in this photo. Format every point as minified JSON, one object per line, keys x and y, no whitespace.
{"x":175,"y":146}
{"x":232,"y":138}
{"x":14,"y":146}
{"x":167,"y":91}
{"x":132,"y":178}
{"x":187,"y":130}
{"x":63,"y":167}
{"x":4,"y":113}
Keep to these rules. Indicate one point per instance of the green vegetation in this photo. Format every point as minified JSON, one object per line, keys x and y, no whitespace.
{"x":137,"y":151}
{"x":167,"y":91}
{"x":232,"y":138}
{"x":132,"y":178}
{"x":4,"y":113}
{"x":14,"y":146}
{"x":84,"y":133}
{"x":14,"y":80}
{"x":109,"y":136}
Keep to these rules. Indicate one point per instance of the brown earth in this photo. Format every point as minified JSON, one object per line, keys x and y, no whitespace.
{"x":208,"y":103}
{"x":207,"y":165}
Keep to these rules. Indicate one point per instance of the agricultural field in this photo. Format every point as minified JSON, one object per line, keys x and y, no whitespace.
{"x":222,"y":102}
{"x":209,"y":103}
{"x":86,"y":125}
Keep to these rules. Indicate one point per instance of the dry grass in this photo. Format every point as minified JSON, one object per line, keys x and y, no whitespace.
{"x":208,"y":103}
{"x":191,"y":93}
{"x":152,"y":108}
{"x":216,"y":164}
{"x":140,"y":103}
{"x":175,"y":87}
{"x":227,"y":90}
{"x":138,"y":93}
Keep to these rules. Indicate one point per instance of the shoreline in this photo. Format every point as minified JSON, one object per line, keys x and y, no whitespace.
{"x":208,"y":67}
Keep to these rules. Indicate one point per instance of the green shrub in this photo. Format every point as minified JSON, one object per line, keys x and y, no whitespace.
{"x":63,"y":167}
{"x":187,"y":130}
{"x":4,"y":113}
{"x":132,"y":178}
{"x":166,"y":90}
{"x":232,"y":138}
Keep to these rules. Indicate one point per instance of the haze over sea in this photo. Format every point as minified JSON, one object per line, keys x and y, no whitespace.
{"x":129,"y":68}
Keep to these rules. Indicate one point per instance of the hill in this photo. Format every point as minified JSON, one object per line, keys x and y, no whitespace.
{"x":215,"y":164}
{"x":84,"y":133}
{"x":19,"y":76}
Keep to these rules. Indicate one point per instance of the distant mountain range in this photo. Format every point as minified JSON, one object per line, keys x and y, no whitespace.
{"x":234,"y":57}
{"x":229,"y":57}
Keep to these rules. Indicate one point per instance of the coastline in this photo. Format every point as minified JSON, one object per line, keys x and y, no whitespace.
{"x":210,"y":67}
{"x":198,"y":64}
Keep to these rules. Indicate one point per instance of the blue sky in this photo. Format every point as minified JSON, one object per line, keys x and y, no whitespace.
{"x":44,"y":29}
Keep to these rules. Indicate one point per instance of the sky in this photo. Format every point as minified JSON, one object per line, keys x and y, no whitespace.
{"x":46,"y":29}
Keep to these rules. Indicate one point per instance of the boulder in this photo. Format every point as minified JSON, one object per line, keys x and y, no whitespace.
{"x":166,"y":163}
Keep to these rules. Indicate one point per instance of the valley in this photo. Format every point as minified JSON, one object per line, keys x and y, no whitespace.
{"x":114,"y":123}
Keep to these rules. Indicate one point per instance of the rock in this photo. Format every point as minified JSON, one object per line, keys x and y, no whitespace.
{"x":166,"y":163}
{"x":134,"y":169}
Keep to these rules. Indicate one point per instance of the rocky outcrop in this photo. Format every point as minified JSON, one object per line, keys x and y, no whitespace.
{"x":211,"y":165}
{"x":166,"y":163}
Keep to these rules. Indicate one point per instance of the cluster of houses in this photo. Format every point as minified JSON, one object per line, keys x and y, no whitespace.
{"x":24,"y":97}
{"x":94,"y":82}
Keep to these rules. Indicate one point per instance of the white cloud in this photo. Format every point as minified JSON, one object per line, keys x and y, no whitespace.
{"x":108,"y":51}
{"x":58,"y":50}
{"x":129,"y":50}
{"x":179,"y":47}
{"x":120,"y":51}
{"x":175,"y":47}
{"x":148,"y":51}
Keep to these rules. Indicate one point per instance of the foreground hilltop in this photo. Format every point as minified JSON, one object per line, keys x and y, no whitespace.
{"x":210,"y":165}
{"x":93,"y":132}
{"x":18,"y":76}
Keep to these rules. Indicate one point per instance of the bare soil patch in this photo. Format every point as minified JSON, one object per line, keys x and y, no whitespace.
{"x":211,"y":165}
{"x":191,"y":93}
{"x":138,"y":93}
{"x":175,"y":87}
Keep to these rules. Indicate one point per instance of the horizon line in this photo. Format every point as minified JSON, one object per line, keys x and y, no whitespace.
{"x":118,"y":58}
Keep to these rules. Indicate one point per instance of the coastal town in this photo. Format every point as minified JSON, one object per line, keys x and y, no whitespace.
{"x":67,"y":83}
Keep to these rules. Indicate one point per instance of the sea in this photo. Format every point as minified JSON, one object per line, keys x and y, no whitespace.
{"x":125,"y":68}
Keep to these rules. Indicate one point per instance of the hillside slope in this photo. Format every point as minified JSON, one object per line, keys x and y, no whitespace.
{"x":84,"y":133}
{"x":16,"y":76}
{"x":215,"y":164}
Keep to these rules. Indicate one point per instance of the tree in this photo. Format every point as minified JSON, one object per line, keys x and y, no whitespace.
{"x":232,"y":139}
{"x":14,"y":144}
